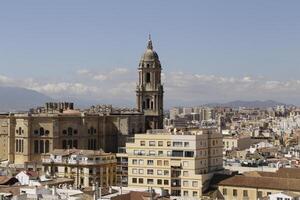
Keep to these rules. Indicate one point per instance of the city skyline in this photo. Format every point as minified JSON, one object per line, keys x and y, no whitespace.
{"x":210,"y":52}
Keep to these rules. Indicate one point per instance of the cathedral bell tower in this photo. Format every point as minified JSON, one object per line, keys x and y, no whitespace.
{"x":149,"y":90}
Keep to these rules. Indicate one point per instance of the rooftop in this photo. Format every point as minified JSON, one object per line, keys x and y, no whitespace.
{"x":85,"y":152}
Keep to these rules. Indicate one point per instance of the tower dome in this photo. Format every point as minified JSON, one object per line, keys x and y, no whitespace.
{"x":150,"y":56}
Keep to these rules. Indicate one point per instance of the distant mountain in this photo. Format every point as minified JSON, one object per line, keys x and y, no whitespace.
{"x":248,"y":104}
{"x":19,"y":99}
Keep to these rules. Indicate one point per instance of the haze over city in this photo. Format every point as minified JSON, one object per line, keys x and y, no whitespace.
{"x":212,"y":51}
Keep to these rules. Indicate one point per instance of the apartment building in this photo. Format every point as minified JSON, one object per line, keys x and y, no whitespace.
{"x":86,"y":167}
{"x":178,"y":163}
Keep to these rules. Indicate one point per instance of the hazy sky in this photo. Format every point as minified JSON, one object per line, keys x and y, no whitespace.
{"x":211,"y":51}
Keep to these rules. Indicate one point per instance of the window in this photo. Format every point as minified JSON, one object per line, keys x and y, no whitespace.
{"x":151,"y":143}
{"x":259,"y":194}
{"x":142,"y":143}
{"x":224,"y":191}
{"x":134,"y":171}
{"x":75,"y":131}
{"x":150,"y":171}
{"x":134,"y":180}
{"x":141,"y":162}
{"x":47,"y":132}
{"x":185,"y":183}
{"x":160,"y":143}
{"x":176,"y":153}
{"x":159,"y":162}
{"x":141,"y":171}
{"x":195,"y":193}
{"x":150,"y":181}
{"x":36,"y":132}
{"x":41,"y":146}
{"x":195,"y":183}
{"x":168,"y":143}
{"x":141,"y":180}
{"x":245,"y":193}
{"x":186,"y":144}
{"x":177,"y":144}
{"x":166,"y":172}
{"x":150,"y":162}
{"x":75,"y":144}
{"x":234,"y":192}
{"x":36,"y":146}
{"x":166,"y":182}
{"x":17,"y":145}
{"x":185,"y":173}
{"x":159,"y":172}
{"x":64,"y":132}
{"x":64,"y":144}
{"x":166,"y":163}
{"x":148,"y":77}
{"x":70,"y":131}
{"x":159,"y":181}
{"x":47,"y":146}
{"x":160,"y":153}
{"x":134,"y":162}
{"x":279,"y":198}
{"x":269,"y":193}
{"x":185,"y":193}
{"x":70,"y":143}
{"x":189,"y":154}
{"x":42,"y":132}
{"x":151,"y":153}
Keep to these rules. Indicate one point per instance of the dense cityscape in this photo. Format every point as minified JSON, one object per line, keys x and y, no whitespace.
{"x":209,"y":111}
{"x":58,"y":151}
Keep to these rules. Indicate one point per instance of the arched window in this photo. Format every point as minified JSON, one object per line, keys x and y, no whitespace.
{"x":47,"y":132}
{"x":70,"y":131}
{"x":148,"y":65}
{"x":148,"y":103}
{"x":151,"y":104}
{"x":47,"y":146}
{"x":64,"y":132}
{"x":17,"y":146}
{"x":22,"y":146}
{"x":42,"y":131}
{"x":92,"y":130}
{"x":36,"y":146}
{"x":64,"y":144}
{"x":75,"y":144}
{"x":20,"y":130}
{"x":70,"y":144}
{"x":148,"y":77}
{"x":42,"y":146}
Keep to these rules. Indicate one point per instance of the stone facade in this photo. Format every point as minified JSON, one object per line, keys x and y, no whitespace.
{"x":28,"y":136}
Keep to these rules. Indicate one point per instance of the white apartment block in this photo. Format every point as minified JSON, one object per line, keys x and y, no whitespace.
{"x":178,"y":163}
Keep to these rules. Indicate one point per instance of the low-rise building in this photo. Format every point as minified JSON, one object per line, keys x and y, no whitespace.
{"x":86,"y":167}
{"x":259,"y":185}
{"x":236,"y":142}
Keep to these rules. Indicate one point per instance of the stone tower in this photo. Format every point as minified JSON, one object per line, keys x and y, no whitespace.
{"x":149,"y":91}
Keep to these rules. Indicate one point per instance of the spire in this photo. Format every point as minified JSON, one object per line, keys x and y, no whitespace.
{"x":150,"y":46}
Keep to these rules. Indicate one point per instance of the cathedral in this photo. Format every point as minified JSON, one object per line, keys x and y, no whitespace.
{"x":28,"y":136}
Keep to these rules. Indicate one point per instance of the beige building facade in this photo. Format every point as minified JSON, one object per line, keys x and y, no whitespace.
{"x":26,"y":137}
{"x":179,"y":163}
{"x":260,"y":185}
{"x":86,"y":167}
